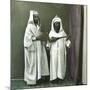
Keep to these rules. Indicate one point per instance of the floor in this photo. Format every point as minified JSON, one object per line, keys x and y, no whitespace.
{"x":19,"y":84}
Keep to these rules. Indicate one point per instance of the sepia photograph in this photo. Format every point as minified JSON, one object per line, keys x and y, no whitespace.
{"x":48,"y":44}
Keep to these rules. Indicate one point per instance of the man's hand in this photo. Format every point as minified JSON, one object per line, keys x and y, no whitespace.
{"x":34,"y":38}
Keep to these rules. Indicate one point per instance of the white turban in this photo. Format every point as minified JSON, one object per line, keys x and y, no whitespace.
{"x":56,"y":19}
{"x":53,"y":32}
{"x":32,"y":12}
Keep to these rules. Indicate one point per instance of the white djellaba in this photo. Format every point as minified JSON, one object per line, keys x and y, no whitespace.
{"x":36,"y":64}
{"x":58,"y":51}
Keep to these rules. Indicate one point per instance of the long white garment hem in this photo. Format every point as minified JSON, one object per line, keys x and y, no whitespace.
{"x":51,"y":79}
{"x":30,"y":82}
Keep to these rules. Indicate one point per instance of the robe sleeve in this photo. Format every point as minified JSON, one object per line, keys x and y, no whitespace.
{"x":50,"y":34}
{"x":28,"y":37}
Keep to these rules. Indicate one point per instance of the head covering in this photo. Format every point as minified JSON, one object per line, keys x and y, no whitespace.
{"x":32,"y":12}
{"x":56,"y":19}
{"x":53,"y":32}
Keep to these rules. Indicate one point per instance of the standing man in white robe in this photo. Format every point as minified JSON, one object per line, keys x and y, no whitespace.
{"x":36,"y":64}
{"x":58,"y":39}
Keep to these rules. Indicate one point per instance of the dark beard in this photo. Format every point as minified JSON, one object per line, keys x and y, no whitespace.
{"x":57,"y":29}
{"x":36,"y":21}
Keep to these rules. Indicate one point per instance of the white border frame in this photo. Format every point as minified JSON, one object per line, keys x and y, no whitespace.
{"x":5,"y":44}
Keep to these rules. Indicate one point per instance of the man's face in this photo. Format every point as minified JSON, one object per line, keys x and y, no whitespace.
{"x":57,"y":26}
{"x":36,"y":19}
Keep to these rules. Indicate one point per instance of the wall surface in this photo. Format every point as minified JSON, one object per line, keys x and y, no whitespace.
{"x":19,"y":17}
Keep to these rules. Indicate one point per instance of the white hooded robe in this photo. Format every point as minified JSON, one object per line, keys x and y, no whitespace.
{"x":58,"y":52}
{"x":36,"y":63}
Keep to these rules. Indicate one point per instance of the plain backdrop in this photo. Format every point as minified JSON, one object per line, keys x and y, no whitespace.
{"x":19,"y":18}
